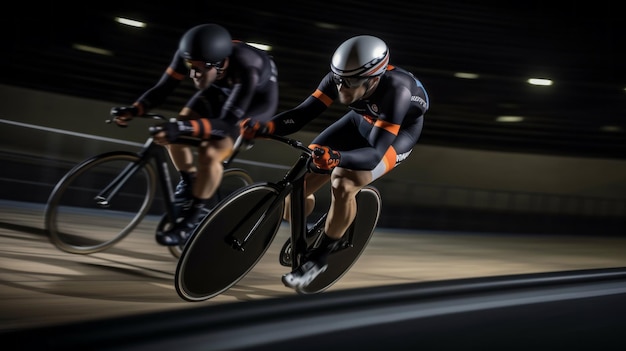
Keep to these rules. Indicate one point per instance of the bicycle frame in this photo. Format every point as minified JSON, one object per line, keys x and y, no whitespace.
{"x":152,"y":151}
{"x":104,"y":183}
{"x":298,"y":221}
{"x":240,"y":229}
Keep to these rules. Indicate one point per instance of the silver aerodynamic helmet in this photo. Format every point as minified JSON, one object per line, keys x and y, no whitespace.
{"x":363,"y":56}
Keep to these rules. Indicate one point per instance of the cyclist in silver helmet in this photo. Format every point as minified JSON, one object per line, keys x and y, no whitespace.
{"x":234,"y":81}
{"x":386,"y":107}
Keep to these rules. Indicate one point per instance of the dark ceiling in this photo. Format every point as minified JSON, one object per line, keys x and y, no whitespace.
{"x":579,"y":46}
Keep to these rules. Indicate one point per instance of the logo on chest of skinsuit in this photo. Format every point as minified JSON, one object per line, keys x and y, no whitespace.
{"x":419,"y":100}
{"x":373,"y":109}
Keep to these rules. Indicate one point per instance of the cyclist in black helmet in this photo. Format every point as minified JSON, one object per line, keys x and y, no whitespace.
{"x":384,"y":122}
{"x":234,"y":81}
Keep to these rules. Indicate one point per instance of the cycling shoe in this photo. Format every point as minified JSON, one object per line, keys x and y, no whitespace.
{"x":302,"y":276}
{"x":178,"y":235}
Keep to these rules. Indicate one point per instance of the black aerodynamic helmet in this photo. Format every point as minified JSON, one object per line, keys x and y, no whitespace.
{"x":206,"y":42}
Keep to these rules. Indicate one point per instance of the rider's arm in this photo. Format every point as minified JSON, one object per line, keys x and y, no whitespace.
{"x":293,"y":120}
{"x":170,"y":79}
{"x":394,"y":107}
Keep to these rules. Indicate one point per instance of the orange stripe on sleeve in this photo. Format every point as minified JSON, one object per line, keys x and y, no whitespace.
{"x":322,"y":97}
{"x":174,"y":74}
{"x":195,"y":126}
{"x":390,"y":127}
{"x":207,"y":128}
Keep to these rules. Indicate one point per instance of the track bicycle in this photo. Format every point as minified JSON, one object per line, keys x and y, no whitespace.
{"x":231,"y":240}
{"x":102,"y":199}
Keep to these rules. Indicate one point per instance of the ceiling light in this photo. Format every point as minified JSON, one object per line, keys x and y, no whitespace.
{"x":611,"y":129}
{"x":325,"y":25}
{"x":539,"y":81}
{"x":509,"y":119}
{"x":263,"y":47}
{"x":92,"y":49}
{"x":130,"y":22}
{"x":466,"y":75}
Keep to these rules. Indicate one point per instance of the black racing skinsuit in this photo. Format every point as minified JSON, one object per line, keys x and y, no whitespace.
{"x":248,"y":89}
{"x":376,"y":133}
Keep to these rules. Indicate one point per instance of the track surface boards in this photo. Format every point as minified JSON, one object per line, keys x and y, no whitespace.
{"x":41,"y":285}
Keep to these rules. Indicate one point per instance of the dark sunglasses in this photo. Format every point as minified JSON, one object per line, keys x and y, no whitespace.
{"x":349,"y":82}
{"x":198,"y":72}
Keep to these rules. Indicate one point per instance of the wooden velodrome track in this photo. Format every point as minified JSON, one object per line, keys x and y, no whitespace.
{"x":41,"y":285}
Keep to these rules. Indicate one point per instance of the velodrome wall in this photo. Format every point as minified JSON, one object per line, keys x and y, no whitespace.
{"x":432,"y":177}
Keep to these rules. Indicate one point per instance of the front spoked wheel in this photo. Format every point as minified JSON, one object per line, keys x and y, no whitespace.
{"x":353,"y":242}
{"x":232,"y":180}
{"x":229,"y":242}
{"x":93,"y":207}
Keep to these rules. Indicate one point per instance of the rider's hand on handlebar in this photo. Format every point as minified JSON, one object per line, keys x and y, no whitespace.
{"x":324,"y":157}
{"x":122,"y":115}
{"x":250,"y":129}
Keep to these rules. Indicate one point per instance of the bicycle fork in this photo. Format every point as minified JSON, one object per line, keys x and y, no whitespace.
{"x":105,"y":196}
{"x":240,"y":245}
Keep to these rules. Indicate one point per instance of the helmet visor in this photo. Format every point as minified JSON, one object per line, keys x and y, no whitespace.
{"x":351,"y":82}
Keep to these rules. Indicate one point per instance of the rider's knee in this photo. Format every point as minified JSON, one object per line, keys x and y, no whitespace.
{"x":342,"y":188}
{"x":209,"y":156}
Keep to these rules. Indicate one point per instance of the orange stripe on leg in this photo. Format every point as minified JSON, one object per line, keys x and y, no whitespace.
{"x":390,"y":159}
